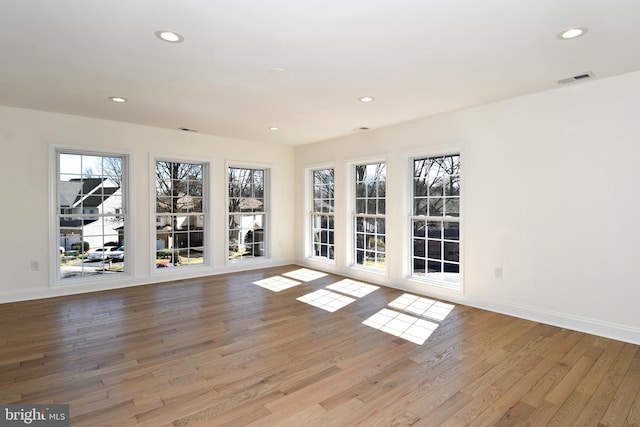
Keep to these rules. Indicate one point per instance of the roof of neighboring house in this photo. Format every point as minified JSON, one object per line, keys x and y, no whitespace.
{"x":92,"y":192}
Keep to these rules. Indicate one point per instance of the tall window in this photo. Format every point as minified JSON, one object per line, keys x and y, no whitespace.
{"x":322,"y":223}
{"x":90,"y":214}
{"x":369,"y":218}
{"x":436,"y":219}
{"x":180,"y":214}
{"x":247,"y":213}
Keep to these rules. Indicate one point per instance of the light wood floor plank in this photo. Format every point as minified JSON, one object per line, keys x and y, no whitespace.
{"x":222,"y":351}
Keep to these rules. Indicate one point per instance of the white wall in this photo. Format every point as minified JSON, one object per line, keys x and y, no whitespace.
{"x":549,"y":195}
{"x":27,"y":139}
{"x":550,"y":188}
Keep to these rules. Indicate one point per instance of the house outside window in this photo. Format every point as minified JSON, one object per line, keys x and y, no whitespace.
{"x":180,"y":213}
{"x":322,"y":214}
{"x":91,"y":214}
{"x":436,"y":220}
{"x":247,"y":213}
{"x":369,"y":219}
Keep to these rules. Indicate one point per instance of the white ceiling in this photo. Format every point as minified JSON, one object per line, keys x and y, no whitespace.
{"x":416,"y":57}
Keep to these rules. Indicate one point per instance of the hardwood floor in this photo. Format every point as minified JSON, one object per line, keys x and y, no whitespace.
{"x":224,"y":351}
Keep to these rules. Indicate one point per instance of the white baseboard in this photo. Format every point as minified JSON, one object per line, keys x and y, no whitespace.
{"x":562,"y":320}
{"x":127,"y":281}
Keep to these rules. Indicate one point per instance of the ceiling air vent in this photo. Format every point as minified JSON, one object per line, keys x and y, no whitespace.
{"x":576,"y":78}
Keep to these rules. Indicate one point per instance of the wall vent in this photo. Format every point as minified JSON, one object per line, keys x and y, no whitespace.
{"x":584,"y":76}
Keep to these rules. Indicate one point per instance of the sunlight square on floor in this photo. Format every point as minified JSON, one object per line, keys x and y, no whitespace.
{"x":326,"y":300}
{"x":276,"y":283}
{"x":422,"y":306}
{"x":305,"y":275}
{"x":353,"y":288}
{"x":402,"y":325}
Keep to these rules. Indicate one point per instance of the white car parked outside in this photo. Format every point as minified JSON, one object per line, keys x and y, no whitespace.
{"x":107,"y":253}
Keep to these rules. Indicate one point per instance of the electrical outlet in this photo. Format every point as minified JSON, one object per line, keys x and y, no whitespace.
{"x":498,"y":272}
{"x":35,"y":266}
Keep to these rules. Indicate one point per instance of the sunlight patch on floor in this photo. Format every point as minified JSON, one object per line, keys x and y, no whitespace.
{"x":305,"y":275}
{"x":353,"y":288}
{"x":424,"y":307}
{"x":329,"y":301}
{"x":276,"y":283}
{"x":402,"y":325}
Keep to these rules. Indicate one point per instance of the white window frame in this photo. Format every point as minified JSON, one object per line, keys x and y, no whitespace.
{"x":355,"y":215}
{"x":206,"y":202}
{"x":455,"y":286}
{"x":54,"y":219}
{"x":313,"y":213}
{"x":266,"y":222}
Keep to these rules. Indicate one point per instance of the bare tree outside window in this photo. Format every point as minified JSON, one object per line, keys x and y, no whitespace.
{"x":370,"y":216}
{"x":322,"y":220}
{"x":180,"y":213}
{"x":247,"y":213}
{"x":436,"y":219}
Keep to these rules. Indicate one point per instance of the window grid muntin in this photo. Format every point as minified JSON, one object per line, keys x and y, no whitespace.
{"x":369,"y":218}
{"x":246,"y":213}
{"x":180,"y":213}
{"x":436,"y":211}
{"x":322,"y":214}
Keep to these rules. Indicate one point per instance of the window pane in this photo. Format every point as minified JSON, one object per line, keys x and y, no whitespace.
{"x":434,"y":229}
{"x":452,"y":230}
{"x":434,"y":266}
{"x":371,"y":207}
{"x":452,"y":207}
{"x":420,"y":206}
{"x":453,"y":186}
{"x":436,"y":186}
{"x":436,"y":206}
{"x":451,"y":251}
{"x":234,"y":204}
{"x":382,"y":188}
{"x":451,"y":268}
{"x":435,"y":249}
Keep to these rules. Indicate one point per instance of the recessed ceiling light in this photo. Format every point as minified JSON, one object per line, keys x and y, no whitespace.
{"x":274,"y":128}
{"x":118,"y":99}
{"x":169,"y":36}
{"x":366,"y":99}
{"x":276,"y":71}
{"x":572,"y":33}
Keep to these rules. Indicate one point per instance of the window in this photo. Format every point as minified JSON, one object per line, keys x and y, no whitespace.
{"x":247,"y":213}
{"x":436,"y":219}
{"x":180,"y":214}
{"x":322,"y":223}
{"x":91,"y":206}
{"x":369,"y":218}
